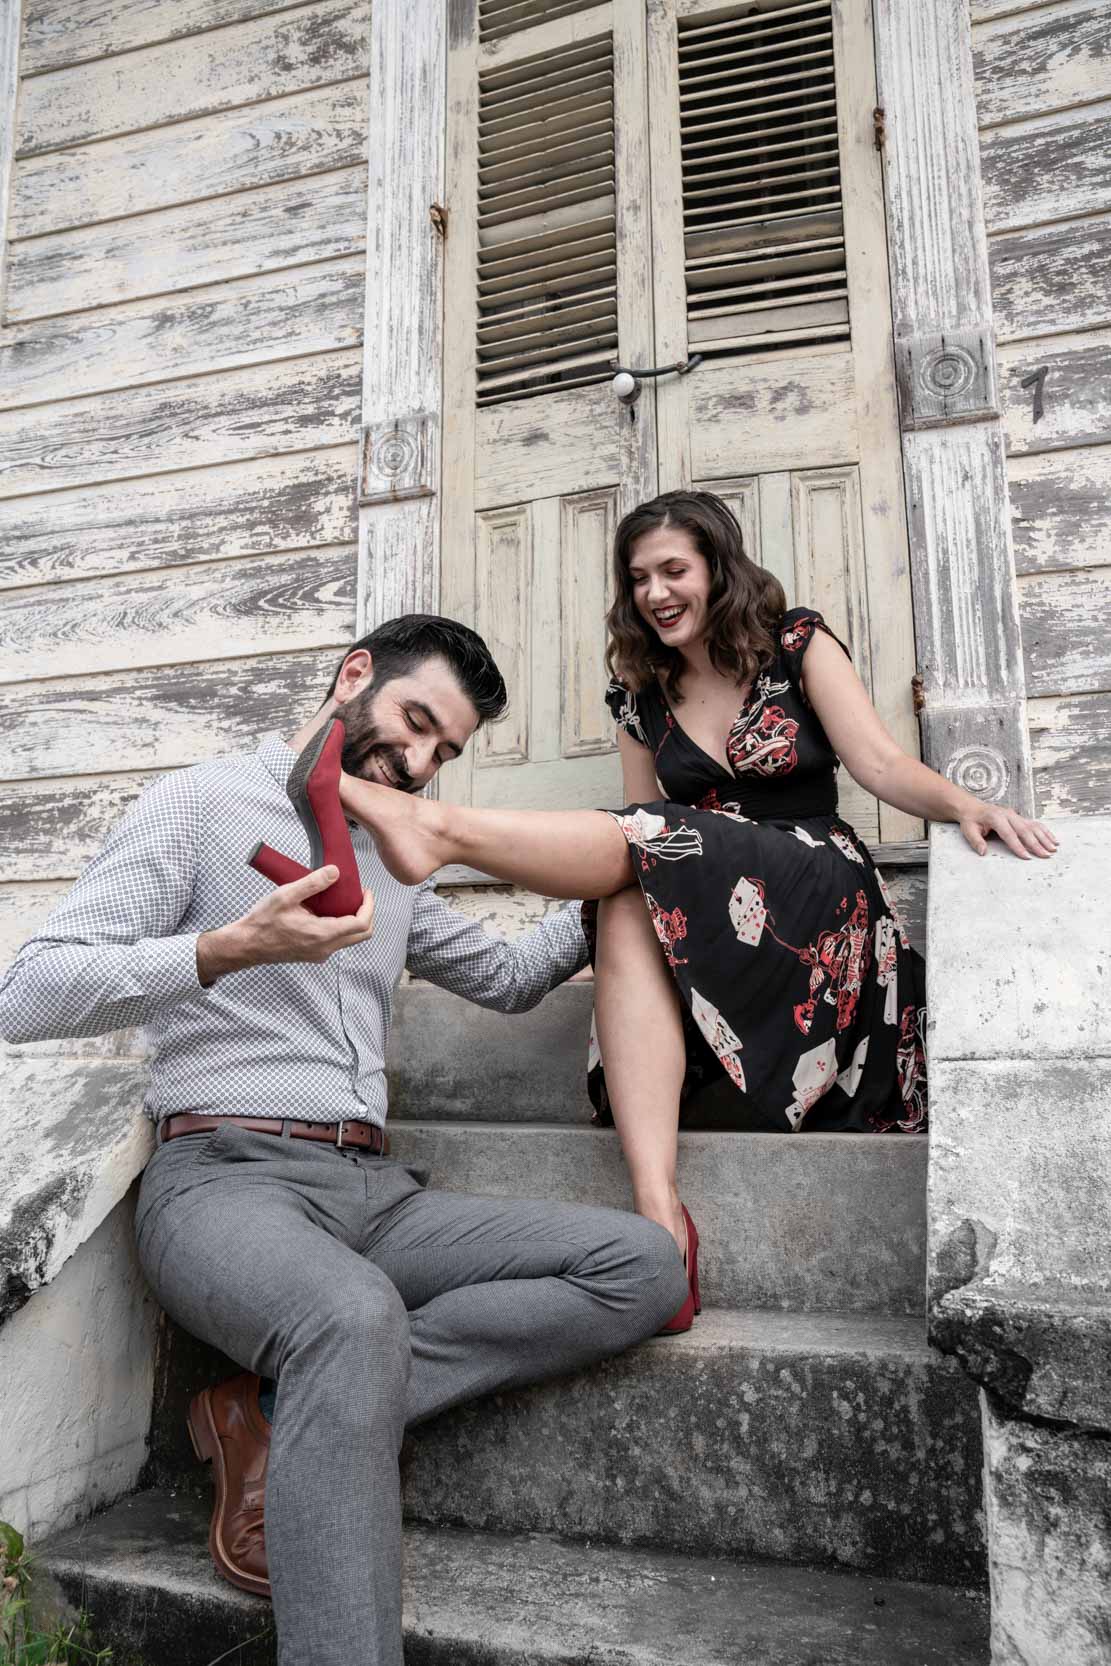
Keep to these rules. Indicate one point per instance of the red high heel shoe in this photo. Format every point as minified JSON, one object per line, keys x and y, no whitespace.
{"x":685,"y":1317}
{"x":313,"y":790}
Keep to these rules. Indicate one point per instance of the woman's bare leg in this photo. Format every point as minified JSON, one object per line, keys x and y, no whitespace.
{"x":640,"y":1034}
{"x":560,"y":853}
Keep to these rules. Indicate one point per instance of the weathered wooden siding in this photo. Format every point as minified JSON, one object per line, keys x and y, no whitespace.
{"x":180,"y":388}
{"x":1043,"y":92}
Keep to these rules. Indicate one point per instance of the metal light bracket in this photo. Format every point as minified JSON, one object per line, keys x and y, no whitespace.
{"x":626,"y":381}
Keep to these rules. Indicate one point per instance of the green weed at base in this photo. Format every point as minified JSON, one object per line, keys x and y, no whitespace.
{"x":22,"y":1643}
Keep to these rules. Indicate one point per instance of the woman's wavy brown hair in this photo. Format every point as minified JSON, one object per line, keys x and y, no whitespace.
{"x":746,"y":602}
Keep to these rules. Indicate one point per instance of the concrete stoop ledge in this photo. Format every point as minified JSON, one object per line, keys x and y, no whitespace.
{"x":141,"y":1571}
{"x":817,"y":1223}
{"x":837,"y":1439}
{"x":75,"y":1139}
{"x":1043,"y":1352}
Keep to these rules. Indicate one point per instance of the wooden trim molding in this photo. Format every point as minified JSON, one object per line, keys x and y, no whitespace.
{"x":395,"y":459}
{"x":10,"y":15}
{"x":399,"y":499}
{"x":974,"y":727}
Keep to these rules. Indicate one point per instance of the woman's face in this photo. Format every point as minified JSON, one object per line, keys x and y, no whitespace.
{"x":670,"y":581}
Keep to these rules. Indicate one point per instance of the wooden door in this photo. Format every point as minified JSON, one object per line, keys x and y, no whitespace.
{"x":770,"y":260}
{"x":754,"y":237}
{"x":548,"y":280}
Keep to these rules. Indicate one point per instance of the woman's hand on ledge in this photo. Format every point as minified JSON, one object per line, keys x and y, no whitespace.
{"x":1025,"y":838}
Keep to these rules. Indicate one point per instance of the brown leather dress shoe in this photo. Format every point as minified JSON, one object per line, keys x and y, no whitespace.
{"x":226,"y":1425}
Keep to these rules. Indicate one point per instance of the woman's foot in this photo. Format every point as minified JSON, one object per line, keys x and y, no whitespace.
{"x":409,"y":833}
{"x":663,"y":1207}
{"x":685,"y":1234}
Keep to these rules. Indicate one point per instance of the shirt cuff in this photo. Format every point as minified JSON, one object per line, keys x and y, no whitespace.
{"x":168,"y":968}
{"x":567,"y":941}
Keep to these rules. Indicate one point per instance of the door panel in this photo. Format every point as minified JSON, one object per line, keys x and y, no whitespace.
{"x":550,"y":281}
{"x":548,"y":446}
{"x":829,"y":574}
{"x":806,"y":527}
{"x":503,"y":578}
{"x":587,"y":526}
{"x":542,"y":578}
{"x":767,"y":413}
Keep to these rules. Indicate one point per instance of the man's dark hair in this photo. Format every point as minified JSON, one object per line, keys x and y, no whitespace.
{"x":402,"y":643}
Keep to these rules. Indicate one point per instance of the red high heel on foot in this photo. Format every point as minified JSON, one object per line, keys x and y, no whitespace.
{"x":313,"y":790}
{"x":685,"y":1317}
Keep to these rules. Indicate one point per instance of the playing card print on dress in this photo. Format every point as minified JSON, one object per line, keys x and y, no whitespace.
{"x":725,"y":1044}
{"x":887,"y":965}
{"x":838,"y":962}
{"x":845,"y":846}
{"x":848,"y":1079}
{"x":814,"y":1074}
{"x":670,"y":927}
{"x":747,"y":912}
{"x":912,"y":1070}
{"x":780,"y":931}
{"x":653,"y":835}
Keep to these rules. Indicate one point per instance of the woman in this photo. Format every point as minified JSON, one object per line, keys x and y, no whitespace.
{"x":742,"y":929}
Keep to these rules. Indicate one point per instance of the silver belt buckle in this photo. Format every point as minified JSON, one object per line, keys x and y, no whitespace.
{"x":339,"y":1134}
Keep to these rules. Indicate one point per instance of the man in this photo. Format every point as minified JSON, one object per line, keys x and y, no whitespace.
{"x":269,"y":1222}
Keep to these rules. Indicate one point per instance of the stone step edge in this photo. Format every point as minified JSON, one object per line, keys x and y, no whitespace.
{"x":761,"y":1330}
{"x":768,"y":1141}
{"x":481,"y":1599}
{"x":748,"y":1335}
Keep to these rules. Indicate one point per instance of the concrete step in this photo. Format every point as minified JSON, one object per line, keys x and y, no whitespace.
{"x":826,"y":1439}
{"x":816,"y":1222}
{"x":142,"y":1572}
{"x":451,"y":1060}
{"x":834,"y":1439}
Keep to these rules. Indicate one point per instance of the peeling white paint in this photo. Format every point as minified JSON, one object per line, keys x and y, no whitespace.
{"x":76,"y":1384}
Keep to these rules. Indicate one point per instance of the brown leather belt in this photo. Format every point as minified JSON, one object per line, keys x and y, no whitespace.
{"x":364,"y":1136}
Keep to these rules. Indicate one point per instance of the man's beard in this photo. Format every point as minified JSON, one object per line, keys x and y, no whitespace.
{"x":363,"y":741}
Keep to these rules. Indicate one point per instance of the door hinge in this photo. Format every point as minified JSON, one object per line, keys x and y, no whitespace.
{"x":879,"y":127}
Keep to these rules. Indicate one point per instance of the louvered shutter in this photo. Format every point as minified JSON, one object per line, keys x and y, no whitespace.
{"x":762,"y":222}
{"x":547,"y":239}
{"x":498,"y":18}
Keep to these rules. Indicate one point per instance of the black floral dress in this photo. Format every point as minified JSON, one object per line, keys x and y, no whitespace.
{"x":803,"y":999}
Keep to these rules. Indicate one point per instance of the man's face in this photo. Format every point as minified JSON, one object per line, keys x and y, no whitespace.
{"x":399,"y":734}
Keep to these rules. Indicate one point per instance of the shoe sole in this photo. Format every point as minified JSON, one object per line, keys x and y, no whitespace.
{"x":296,"y":790}
{"x":206,"y":1444}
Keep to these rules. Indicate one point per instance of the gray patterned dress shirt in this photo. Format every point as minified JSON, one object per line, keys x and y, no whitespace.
{"x":304,"y":1041}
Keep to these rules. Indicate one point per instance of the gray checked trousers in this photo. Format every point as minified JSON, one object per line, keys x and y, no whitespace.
{"x":376,"y":1304}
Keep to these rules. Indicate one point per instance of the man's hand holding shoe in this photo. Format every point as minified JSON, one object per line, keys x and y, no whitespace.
{"x":280,"y":929}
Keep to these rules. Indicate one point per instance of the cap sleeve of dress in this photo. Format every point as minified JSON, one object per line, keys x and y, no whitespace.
{"x":796,"y":632}
{"x":622,"y":703}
